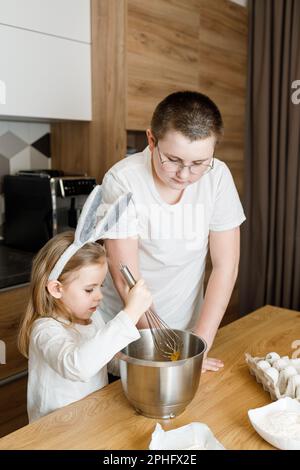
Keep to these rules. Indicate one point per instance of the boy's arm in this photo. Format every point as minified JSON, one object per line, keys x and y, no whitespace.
{"x":123,"y":251}
{"x":225,"y":252}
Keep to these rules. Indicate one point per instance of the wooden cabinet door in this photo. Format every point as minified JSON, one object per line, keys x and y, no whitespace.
{"x":12,"y":307}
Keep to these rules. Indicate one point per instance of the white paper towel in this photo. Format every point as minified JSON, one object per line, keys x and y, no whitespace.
{"x":194,"y":436}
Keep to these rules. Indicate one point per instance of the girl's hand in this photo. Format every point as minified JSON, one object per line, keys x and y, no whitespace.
{"x":139,"y":299}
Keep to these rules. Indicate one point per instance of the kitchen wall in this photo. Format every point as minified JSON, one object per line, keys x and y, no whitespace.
{"x":23,"y":146}
{"x":141,"y":51}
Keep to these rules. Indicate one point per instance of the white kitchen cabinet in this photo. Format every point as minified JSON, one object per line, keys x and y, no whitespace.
{"x":43,"y":76}
{"x":65,"y":18}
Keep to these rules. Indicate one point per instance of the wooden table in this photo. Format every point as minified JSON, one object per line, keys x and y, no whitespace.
{"x":105,"y":419}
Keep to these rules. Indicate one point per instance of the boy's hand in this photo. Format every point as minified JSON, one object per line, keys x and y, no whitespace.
{"x":210,"y":363}
{"x":139,"y":299}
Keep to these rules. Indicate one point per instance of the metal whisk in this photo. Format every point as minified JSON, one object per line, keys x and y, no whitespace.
{"x":165,"y":340}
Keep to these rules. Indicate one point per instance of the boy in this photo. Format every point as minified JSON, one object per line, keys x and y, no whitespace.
{"x":184,"y":203}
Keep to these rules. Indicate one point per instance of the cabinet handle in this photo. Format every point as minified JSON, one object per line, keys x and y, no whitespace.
{"x":13,"y":378}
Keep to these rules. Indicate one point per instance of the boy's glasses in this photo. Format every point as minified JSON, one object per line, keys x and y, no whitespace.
{"x":170,"y":166}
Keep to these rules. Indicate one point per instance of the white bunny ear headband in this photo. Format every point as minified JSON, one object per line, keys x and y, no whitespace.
{"x":88,"y":230}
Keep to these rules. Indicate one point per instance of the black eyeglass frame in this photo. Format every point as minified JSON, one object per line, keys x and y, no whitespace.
{"x":180,"y":165}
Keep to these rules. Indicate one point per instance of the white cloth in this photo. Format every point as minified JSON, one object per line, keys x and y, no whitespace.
{"x":68,"y":362}
{"x":173,"y":239}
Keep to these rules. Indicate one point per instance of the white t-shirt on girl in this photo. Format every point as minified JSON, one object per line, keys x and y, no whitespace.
{"x":68,"y":362}
{"x":173,"y":239}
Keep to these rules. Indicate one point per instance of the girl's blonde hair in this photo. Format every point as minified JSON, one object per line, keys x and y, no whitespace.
{"x":41,"y":302}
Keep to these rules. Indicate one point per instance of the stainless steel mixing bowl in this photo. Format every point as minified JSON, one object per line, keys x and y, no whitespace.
{"x":156,"y":387}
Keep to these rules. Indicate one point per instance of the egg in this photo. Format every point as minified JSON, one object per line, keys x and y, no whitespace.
{"x":296,"y":364}
{"x":273,"y":374}
{"x":281,"y":363}
{"x":263,"y":365}
{"x":293,"y":384}
{"x":284,"y":376}
{"x":272,"y":357}
{"x":175,"y":355}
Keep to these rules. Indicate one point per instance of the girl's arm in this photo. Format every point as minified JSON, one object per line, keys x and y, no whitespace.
{"x":81,"y":360}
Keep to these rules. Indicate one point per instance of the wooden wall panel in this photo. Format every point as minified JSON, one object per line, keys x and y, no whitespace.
{"x":94,"y":147}
{"x":70,"y":147}
{"x":162,"y":54}
{"x":222,"y":74}
{"x":143,"y":50}
{"x":108,"y":133}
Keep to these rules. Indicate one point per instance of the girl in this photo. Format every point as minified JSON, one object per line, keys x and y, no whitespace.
{"x":62,"y":333}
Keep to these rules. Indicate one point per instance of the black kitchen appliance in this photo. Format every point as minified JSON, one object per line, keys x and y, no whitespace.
{"x":39,"y":204}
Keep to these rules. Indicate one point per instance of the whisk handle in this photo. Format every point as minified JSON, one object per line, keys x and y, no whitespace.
{"x":127,"y":276}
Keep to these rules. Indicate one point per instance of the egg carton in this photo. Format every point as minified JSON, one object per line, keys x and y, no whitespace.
{"x":280,"y":376}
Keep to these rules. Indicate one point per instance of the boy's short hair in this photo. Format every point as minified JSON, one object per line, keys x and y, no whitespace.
{"x":193,"y":114}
